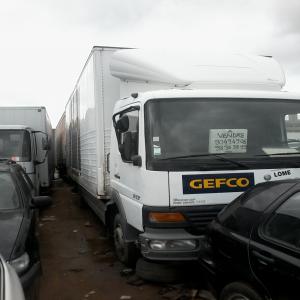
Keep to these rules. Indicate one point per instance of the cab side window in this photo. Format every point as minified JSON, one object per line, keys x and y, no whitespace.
{"x":284,"y":225}
{"x":129,"y":139}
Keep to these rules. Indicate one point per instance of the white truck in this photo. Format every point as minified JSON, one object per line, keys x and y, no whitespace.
{"x":25,"y":137}
{"x":60,"y":146}
{"x":159,"y":142}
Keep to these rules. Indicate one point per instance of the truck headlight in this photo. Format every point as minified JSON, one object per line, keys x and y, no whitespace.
{"x":176,"y":245}
{"x":21,"y":263}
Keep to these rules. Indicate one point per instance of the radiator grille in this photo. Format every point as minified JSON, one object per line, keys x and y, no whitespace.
{"x":199,"y":218}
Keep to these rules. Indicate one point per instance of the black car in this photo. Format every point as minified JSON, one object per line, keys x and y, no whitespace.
{"x":18,"y":242}
{"x":253,"y":249}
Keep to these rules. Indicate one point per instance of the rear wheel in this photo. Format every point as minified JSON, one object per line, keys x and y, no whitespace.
{"x":127,"y":252}
{"x":239,"y":291}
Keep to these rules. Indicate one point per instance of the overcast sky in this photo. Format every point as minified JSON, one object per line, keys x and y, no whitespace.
{"x":44,"y":44}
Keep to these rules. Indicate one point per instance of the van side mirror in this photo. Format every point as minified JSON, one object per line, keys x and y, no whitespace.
{"x":41,"y":201}
{"x":122,"y":124}
{"x":45,"y":144}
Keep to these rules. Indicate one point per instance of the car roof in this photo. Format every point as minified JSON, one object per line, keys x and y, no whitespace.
{"x":267,"y":183}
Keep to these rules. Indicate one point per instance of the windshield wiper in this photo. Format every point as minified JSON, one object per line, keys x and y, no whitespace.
{"x":274,"y":154}
{"x":218,"y":156}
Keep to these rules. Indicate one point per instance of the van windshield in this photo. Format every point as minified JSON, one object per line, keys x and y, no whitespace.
{"x":15,"y":144}
{"x":222,"y":132}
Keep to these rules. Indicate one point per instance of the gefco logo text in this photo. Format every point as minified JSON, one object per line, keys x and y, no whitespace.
{"x":217,"y":183}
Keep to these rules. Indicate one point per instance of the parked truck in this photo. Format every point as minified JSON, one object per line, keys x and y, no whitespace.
{"x":60,"y":146}
{"x":26,"y":137}
{"x":159,"y":142}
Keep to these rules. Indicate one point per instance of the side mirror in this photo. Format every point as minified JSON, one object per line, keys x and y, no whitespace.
{"x":36,"y":162}
{"x":41,"y":201}
{"x":46,"y":145}
{"x":123,"y":124}
{"x":126,"y":148}
{"x":137,"y":160}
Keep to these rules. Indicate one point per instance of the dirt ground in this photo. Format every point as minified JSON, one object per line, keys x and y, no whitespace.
{"x":79,"y":262}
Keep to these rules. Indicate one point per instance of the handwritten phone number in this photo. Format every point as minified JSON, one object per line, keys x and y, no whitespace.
{"x":231,"y":142}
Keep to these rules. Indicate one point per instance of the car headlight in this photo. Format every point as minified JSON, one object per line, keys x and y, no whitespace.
{"x":176,"y":245}
{"x":21,"y":263}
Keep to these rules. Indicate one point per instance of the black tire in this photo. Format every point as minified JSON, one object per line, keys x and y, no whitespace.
{"x":127,"y":252}
{"x":239,"y":291}
{"x":158,"y":272}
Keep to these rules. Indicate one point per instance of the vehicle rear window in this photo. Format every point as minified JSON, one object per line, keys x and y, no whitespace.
{"x":8,"y":196}
{"x":241,"y":214}
{"x":284,"y":225}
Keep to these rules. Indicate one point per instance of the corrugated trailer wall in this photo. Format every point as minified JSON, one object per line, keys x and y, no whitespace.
{"x":88,"y":128}
{"x":88,"y":123}
{"x":68,"y":139}
{"x":72,"y":139}
{"x":108,"y":94}
{"x":51,"y":152}
{"x":60,"y":143}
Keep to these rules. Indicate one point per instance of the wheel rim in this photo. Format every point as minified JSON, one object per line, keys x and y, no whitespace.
{"x":119,"y":241}
{"x":237,"y":296}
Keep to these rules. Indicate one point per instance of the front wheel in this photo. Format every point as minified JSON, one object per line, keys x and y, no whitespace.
{"x":127,"y":252}
{"x":239,"y":291}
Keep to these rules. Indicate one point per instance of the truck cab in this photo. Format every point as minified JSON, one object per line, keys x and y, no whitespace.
{"x":181,"y":153}
{"x":178,"y":157}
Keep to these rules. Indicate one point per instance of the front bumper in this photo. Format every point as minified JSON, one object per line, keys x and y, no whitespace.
{"x":151,"y":234}
{"x":27,"y":279}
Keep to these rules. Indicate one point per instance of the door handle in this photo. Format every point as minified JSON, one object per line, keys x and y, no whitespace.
{"x":263,"y":258}
{"x":117,"y":176}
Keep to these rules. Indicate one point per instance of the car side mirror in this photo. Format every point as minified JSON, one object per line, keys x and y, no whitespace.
{"x":41,"y":201}
{"x":122,"y":124}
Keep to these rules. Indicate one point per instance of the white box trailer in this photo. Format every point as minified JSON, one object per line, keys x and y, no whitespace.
{"x":88,"y":117}
{"x":26,"y":137}
{"x":190,"y":133}
{"x":60,"y":145}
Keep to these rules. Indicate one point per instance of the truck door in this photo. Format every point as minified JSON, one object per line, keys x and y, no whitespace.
{"x":274,"y":250}
{"x":125,"y":174}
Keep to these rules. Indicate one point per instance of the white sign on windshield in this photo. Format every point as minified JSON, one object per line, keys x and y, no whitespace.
{"x":228,"y":140}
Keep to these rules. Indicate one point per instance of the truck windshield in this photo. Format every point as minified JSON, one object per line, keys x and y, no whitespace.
{"x":8,"y":197}
{"x":15,"y":144}
{"x":218,"y":133}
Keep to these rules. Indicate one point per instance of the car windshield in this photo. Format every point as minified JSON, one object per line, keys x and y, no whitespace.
{"x":15,"y":145}
{"x":222,"y":129}
{"x":8,"y":197}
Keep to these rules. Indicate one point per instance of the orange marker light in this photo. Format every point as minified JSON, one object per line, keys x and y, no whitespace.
{"x":161,"y":217}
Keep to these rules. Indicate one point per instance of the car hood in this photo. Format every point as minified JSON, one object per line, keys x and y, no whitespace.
{"x":10,"y":223}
